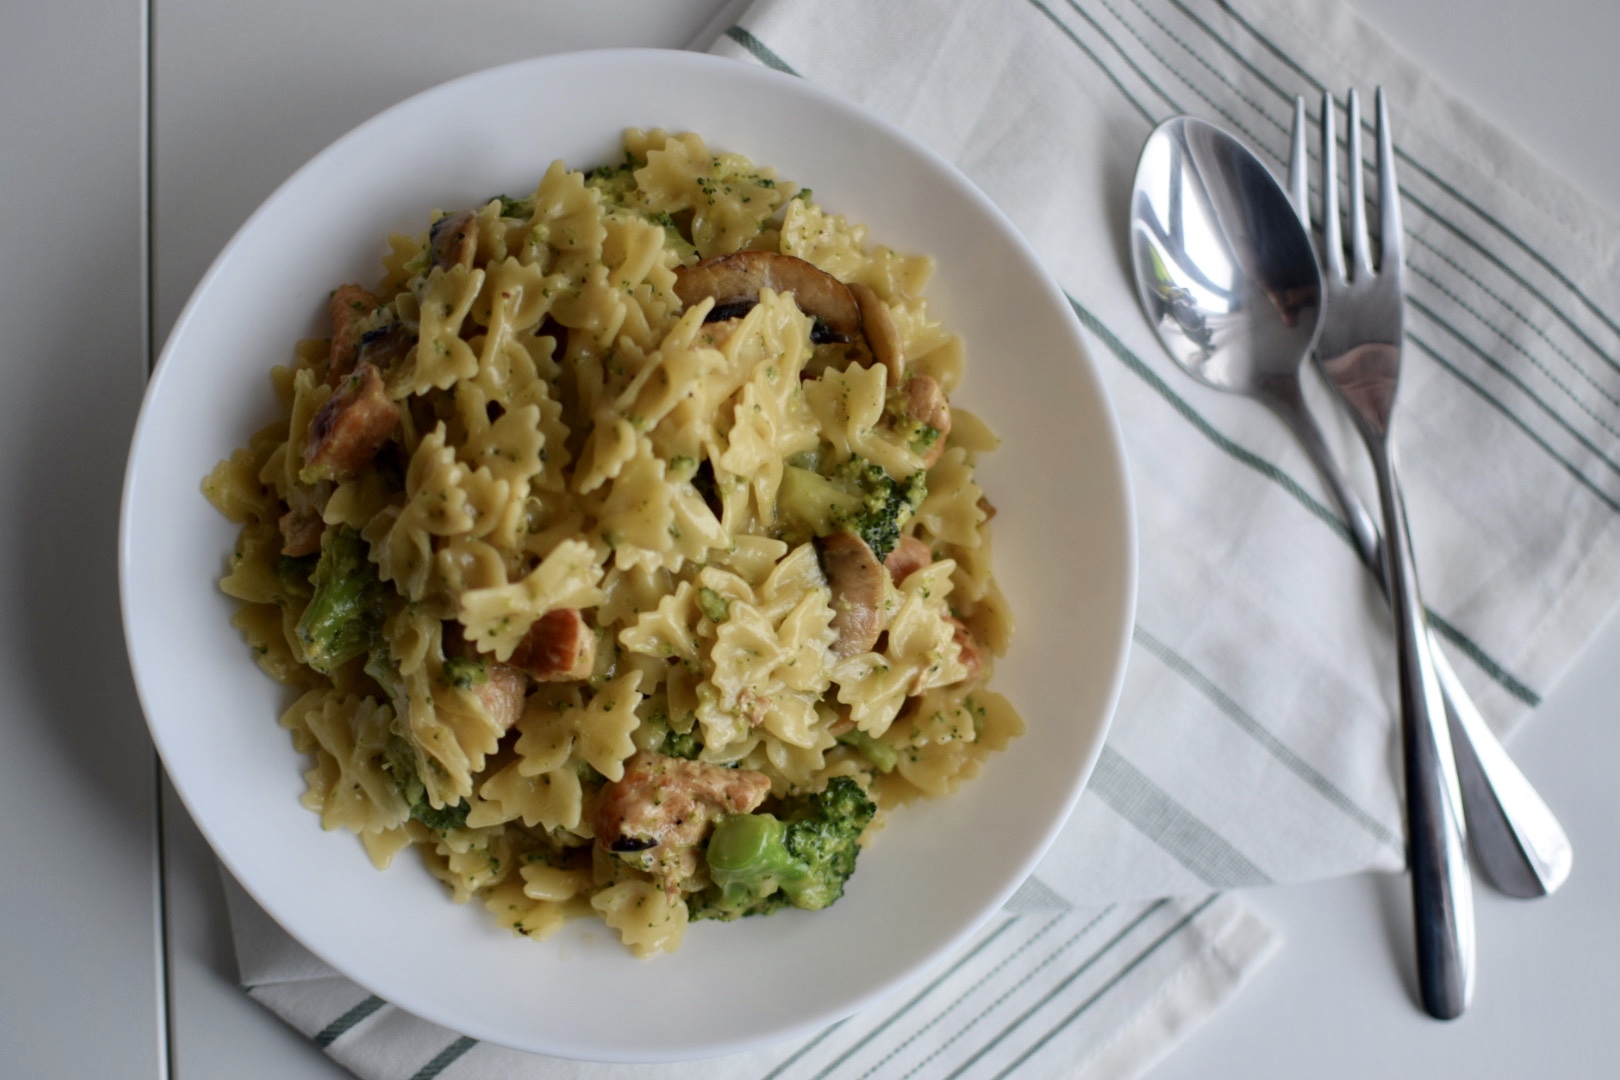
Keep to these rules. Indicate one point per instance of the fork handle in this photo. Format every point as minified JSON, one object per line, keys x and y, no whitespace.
{"x":1442,"y":897}
{"x":1517,"y":841}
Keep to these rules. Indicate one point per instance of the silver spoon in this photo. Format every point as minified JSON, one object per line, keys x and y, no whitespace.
{"x":1230,"y":282}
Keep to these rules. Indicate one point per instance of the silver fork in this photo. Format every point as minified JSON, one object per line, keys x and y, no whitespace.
{"x":1517,"y":841}
{"x":1359,"y":352}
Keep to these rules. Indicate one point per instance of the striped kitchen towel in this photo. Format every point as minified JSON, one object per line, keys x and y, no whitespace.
{"x":1045,"y":990}
{"x":1255,"y":742}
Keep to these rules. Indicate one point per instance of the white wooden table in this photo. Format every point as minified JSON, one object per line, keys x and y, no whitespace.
{"x":135,"y":137}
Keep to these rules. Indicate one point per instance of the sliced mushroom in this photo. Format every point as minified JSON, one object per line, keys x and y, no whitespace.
{"x":349,"y":308}
{"x":663,"y":807}
{"x":882,"y":336}
{"x":735,"y":282}
{"x":908,"y":556}
{"x":346,"y":432}
{"x":925,"y":402}
{"x":385,"y":346}
{"x":858,"y":582}
{"x":454,"y":239}
{"x":559,"y":647}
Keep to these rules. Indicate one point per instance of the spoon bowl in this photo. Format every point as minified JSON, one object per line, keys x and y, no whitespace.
{"x":1225,"y":272}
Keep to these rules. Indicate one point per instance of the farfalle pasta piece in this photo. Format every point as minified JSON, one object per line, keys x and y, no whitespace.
{"x":442,"y":356}
{"x":497,"y":618}
{"x":683,"y":176}
{"x":348,"y":785}
{"x":646,"y":918}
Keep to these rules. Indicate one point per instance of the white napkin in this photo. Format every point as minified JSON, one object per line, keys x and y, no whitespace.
{"x":1256,"y":739}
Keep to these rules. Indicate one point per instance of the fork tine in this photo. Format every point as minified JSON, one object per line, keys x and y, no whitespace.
{"x":1299,"y":166}
{"x":1360,"y":254}
{"x":1332,"y":239}
{"x":1391,"y":239}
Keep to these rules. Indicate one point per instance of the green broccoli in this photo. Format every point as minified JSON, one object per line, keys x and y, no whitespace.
{"x":293,"y":574}
{"x":464,"y":672}
{"x":760,"y":862}
{"x":399,"y":762}
{"x":346,"y":610}
{"x":858,"y":496}
{"x":666,"y":740}
{"x":882,"y":755}
{"x":521,"y":208}
{"x":683,"y":744}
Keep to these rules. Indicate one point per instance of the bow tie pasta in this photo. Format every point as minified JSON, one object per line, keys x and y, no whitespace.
{"x":622,"y":548}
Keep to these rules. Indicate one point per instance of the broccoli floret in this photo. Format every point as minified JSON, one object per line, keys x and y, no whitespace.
{"x":666,"y":740}
{"x":465,"y":672}
{"x":615,"y":182}
{"x":521,"y":208}
{"x":682,"y":744}
{"x":716,"y":607}
{"x":346,"y":609}
{"x":882,"y":756}
{"x":293,"y":574}
{"x":858,"y":496}
{"x":760,"y":862}
{"x":399,"y":762}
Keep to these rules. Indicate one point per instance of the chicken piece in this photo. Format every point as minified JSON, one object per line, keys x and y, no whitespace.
{"x":882,"y":337}
{"x":925,"y":402}
{"x":908,"y":556}
{"x":858,"y":582}
{"x":736,"y":280}
{"x":347,"y":431}
{"x":454,"y":239}
{"x":657,"y":814}
{"x":969,"y":655}
{"x":560,"y":646}
{"x":301,"y":529}
{"x":349,"y":308}
{"x":502,"y":693}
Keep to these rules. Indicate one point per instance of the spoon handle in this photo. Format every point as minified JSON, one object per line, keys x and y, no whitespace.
{"x":1442,"y":896}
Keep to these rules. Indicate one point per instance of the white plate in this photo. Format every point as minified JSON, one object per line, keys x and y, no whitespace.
{"x":1064,"y":555}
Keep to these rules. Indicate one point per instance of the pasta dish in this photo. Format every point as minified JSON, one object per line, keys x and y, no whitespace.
{"x":622,"y":548}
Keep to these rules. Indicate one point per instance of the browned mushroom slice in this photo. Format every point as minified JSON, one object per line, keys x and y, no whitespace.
{"x":882,"y":336}
{"x":346,"y":432}
{"x":661,"y":809}
{"x":560,"y":646}
{"x":925,"y":403}
{"x":736,"y":280}
{"x":454,"y":239}
{"x":909,"y":555}
{"x":385,"y":346}
{"x":351,"y":305}
{"x":502,"y":694}
{"x":857,"y":581}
